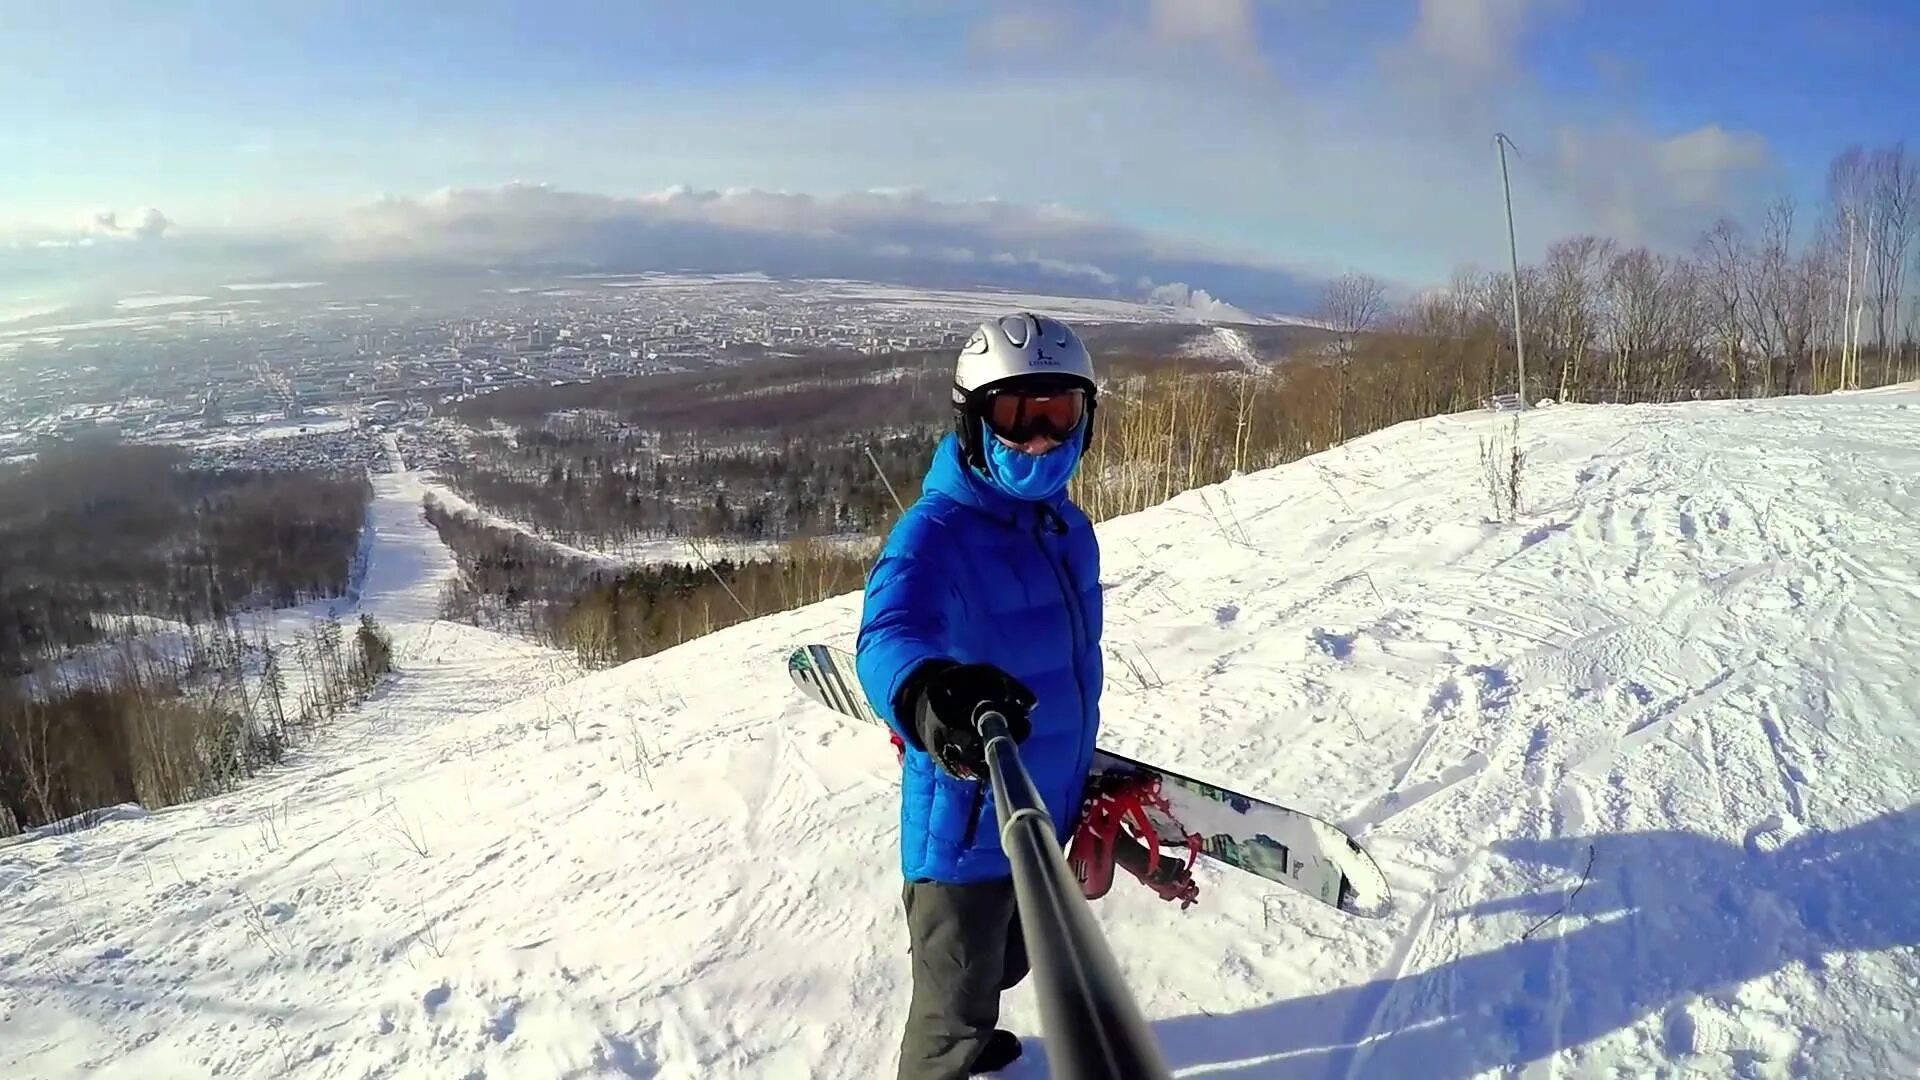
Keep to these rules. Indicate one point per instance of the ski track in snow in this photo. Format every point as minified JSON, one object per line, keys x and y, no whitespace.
{"x":1234,"y":344}
{"x":1689,"y":661}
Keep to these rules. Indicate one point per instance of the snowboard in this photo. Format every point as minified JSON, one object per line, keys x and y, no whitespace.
{"x":1280,"y":844}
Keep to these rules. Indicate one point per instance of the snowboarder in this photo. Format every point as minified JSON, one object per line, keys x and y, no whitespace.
{"x":986,"y":595}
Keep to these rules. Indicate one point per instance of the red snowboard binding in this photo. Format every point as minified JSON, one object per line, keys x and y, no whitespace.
{"x":1116,"y":827}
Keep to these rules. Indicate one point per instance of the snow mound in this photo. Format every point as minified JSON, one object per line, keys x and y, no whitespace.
{"x":1227,"y":343}
{"x":92,"y":819}
{"x":1640,"y":767}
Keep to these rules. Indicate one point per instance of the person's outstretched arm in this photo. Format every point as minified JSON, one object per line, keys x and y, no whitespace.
{"x":910,"y":600}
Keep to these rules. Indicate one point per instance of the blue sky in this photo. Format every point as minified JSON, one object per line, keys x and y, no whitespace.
{"x":1310,"y":135}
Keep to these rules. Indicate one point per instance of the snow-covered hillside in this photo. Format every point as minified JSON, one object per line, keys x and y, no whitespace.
{"x":1227,"y":343}
{"x":1675,"y":702}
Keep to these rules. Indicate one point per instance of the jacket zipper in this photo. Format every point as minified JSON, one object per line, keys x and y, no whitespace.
{"x":1079,"y":620}
{"x":973,"y":815}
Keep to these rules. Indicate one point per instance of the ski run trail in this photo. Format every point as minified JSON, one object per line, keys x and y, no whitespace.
{"x":1640,"y":767}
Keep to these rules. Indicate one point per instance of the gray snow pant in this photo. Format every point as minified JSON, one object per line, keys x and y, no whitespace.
{"x":967,"y":948}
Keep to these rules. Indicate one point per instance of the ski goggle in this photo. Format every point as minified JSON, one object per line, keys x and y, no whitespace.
{"x":1017,"y":414}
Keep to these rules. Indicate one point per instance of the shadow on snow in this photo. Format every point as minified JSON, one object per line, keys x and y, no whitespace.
{"x":1665,"y":916}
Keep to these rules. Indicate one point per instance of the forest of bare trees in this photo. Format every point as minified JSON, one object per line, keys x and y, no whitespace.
{"x":779,"y":450}
{"x":93,"y":529}
{"x":132,"y":723}
{"x":1800,"y":301}
{"x":93,"y":711}
{"x":1803,"y":299}
{"x":586,"y":484}
{"x":516,"y":584}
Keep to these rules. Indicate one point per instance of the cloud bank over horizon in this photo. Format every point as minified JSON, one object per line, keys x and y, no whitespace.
{"x":892,"y":236}
{"x":885,"y":235}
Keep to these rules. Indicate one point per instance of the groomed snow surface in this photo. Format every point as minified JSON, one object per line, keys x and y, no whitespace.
{"x":1686,"y":675}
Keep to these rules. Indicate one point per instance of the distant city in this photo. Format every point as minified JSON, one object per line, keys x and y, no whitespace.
{"x":298,"y":375}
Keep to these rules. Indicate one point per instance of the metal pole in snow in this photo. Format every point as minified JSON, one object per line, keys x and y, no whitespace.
{"x":897,"y":504}
{"x":1513,"y":255}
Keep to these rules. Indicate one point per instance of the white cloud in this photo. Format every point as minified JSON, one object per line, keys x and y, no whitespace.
{"x":102,"y":226}
{"x":1019,"y":29}
{"x":1475,"y":41}
{"x":526,"y":218}
{"x":1162,"y":35}
{"x":1584,"y":164}
{"x":885,"y":234}
{"x":152,"y":225}
{"x":1643,"y":188}
{"x":1181,"y":295}
{"x":899,"y":234}
{"x":1396,"y":175}
{"x":1227,"y":25}
{"x":1697,"y":164}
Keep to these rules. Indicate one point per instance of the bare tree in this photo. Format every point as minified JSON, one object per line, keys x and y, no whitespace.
{"x":1910,"y":340}
{"x":1849,"y":188}
{"x":1893,"y":192}
{"x":1723,"y":273}
{"x":1775,"y":306}
{"x":1570,"y":285}
{"x":1624,"y":302}
{"x":1352,"y":304}
{"x":273,"y":683}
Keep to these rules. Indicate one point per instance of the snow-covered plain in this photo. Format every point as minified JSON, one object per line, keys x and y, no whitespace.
{"x":966,"y":304}
{"x":1675,"y":699}
{"x":20,"y":308}
{"x":152,"y":300}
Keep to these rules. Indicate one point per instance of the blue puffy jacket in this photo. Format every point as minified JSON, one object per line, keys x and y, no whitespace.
{"x":976,"y":576}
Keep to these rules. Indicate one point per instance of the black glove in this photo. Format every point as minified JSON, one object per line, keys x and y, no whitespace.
{"x":947,"y":699}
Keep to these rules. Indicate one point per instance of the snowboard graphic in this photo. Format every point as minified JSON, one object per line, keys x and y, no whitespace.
{"x":1270,"y":841}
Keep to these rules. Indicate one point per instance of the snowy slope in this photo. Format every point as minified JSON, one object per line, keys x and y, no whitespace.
{"x":1690,"y":661}
{"x":1230,"y":344}
{"x":399,"y":569}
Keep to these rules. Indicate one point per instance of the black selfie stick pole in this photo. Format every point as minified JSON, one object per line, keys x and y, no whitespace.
{"x":1094,"y":1028}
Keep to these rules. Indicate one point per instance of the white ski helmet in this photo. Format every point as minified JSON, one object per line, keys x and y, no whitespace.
{"x":1020,"y":348}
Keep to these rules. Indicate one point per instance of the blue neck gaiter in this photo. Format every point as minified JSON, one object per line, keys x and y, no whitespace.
{"x":1032,"y":477}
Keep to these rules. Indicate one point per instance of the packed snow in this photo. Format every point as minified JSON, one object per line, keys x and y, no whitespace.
{"x":1226,"y":343}
{"x":138,"y":302}
{"x":317,"y":422}
{"x":1639,"y":766}
{"x":52,"y":334}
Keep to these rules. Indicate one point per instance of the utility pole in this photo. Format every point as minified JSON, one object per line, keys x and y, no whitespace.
{"x":1513,"y":255}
